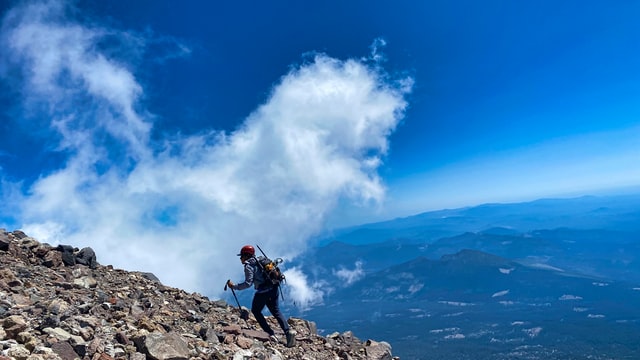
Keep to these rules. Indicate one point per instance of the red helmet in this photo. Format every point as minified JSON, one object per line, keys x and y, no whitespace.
{"x":247,"y":250}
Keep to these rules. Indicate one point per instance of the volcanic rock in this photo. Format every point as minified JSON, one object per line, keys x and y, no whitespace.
{"x":59,"y":303}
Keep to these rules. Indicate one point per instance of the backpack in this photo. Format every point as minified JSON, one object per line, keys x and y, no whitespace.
{"x":270,"y":269}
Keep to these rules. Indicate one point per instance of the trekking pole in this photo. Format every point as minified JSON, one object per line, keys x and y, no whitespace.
{"x":243,"y":314}
{"x":233,"y":292}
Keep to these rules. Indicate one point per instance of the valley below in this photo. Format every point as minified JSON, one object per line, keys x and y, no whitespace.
{"x":504,"y":288}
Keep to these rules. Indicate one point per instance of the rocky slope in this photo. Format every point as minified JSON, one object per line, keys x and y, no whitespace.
{"x":60,"y":303}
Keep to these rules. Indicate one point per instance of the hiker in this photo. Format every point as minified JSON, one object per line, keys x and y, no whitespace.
{"x":266,"y":294}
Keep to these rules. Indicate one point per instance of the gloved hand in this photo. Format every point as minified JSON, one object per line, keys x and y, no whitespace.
{"x":230,"y":284}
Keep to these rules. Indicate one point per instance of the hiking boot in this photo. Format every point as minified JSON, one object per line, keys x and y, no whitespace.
{"x":291,"y":338}
{"x":274,"y":338}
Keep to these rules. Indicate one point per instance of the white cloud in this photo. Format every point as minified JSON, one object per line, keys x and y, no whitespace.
{"x":83,"y":90}
{"x":500,"y":293}
{"x":183,"y":207}
{"x":533,"y":332}
{"x":304,"y":294}
{"x":414,"y":288}
{"x":456,"y":303}
{"x":376,"y":46}
{"x":347,"y":276}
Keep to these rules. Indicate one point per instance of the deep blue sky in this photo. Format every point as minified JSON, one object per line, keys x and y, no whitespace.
{"x":510,"y":101}
{"x":490,"y":76}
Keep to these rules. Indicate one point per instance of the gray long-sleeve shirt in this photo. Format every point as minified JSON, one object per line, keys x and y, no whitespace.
{"x":253,"y":276}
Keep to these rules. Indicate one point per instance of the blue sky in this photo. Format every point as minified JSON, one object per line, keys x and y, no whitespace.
{"x":186,"y":124}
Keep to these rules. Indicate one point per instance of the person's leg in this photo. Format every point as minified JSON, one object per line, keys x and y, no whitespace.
{"x":274,"y":308}
{"x":259,"y":301}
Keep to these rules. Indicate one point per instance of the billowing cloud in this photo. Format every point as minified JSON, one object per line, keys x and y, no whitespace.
{"x":348,"y":276}
{"x":304,"y":292}
{"x":183,"y":206}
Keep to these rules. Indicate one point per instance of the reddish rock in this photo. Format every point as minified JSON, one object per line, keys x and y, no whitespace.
{"x":64,"y":350}
{"x":232,"y":329}
{"x":243,"y":342}
{"x":52,"y":259}
{"x":256,"y":334}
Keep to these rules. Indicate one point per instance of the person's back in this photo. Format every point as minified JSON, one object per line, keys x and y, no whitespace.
{"x":257,"y":276}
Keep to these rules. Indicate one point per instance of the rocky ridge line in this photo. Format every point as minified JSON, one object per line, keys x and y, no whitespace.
{"x":58,"y":303}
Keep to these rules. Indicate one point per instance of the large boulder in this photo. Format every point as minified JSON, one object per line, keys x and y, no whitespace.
{"x":169,"y":346}
{"x":87,"y":257}
{"x":378,"y":350}
{"x":4,"y":241}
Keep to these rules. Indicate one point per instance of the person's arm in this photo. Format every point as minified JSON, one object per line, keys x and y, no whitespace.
{"x":248,"y":278}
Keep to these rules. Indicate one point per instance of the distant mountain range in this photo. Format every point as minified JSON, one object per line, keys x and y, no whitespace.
{"x":617,"y":213}
{"x":549,"y":279}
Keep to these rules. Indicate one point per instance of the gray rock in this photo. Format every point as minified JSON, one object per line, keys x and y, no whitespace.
{"x":87,"y":257}
{"x":58,"y":307}
{"x":378,"y":350}
{"x":242,"y":355}
{"x":86,"y":282}
{"x":150,"y":276}
{"x":19,"y":234}
{"x":168,"y":346}
{"x":137,"y":356}
{"x":68,"y":258}
{"x":18,"y":352}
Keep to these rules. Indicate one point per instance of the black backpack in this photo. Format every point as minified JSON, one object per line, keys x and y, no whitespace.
{"x":270,"y":269}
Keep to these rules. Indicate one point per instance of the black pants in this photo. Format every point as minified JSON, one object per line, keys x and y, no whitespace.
{"x":270,"y":299}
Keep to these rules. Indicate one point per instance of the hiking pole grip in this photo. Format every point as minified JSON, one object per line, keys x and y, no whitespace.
{"x":225,"y":285}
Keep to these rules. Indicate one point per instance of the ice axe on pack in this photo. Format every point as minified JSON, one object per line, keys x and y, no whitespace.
{"x":244,"y":314}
